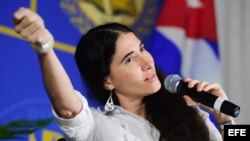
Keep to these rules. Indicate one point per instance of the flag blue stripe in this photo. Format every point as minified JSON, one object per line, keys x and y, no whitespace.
{"x":214,"y":46}
{"x":165,"y":52}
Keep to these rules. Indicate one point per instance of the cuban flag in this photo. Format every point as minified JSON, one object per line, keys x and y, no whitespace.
{"x":185,"y":42}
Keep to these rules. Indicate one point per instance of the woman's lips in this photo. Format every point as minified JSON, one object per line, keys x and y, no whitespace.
{"x":151,"y":78}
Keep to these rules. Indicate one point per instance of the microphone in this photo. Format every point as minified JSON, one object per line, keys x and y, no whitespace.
{"x":174,"y":84}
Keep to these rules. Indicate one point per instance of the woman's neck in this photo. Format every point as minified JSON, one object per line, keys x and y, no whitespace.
{"x":133,"y":105}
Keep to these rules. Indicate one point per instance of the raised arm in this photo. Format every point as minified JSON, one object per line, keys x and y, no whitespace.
{"x":57,"y":83}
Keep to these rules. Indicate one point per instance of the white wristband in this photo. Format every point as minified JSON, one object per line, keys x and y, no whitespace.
{"x":42,"y":48}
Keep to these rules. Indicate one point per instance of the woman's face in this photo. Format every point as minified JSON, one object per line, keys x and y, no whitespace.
{"x":132,"y":70}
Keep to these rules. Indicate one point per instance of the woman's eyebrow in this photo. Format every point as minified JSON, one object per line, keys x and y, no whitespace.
{"x":127,"y":56}
{"x":141,"y":45}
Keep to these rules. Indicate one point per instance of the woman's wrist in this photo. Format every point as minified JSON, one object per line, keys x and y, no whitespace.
{"x":221,"y":117}
{"x":231,"y":122}
{"x":43,"y":48}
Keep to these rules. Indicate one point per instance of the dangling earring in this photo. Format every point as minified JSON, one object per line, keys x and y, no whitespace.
{"x":109,"y":106}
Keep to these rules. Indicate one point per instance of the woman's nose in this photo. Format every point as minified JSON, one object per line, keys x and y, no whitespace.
{"x":146,"y":63}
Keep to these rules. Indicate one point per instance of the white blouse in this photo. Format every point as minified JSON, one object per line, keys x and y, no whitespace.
{"x":119,"y":125}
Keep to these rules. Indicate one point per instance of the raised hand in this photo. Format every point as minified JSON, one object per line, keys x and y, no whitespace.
{"x":31,"y":27}
{"x":213,"y":88}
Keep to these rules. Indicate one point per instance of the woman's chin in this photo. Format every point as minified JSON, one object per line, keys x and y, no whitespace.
{"x":155,"y":88}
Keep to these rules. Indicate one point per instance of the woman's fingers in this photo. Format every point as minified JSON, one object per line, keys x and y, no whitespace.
{"x":190,"y":101}
{"x":31,"y":27}
{"x":211,"y":86}
{"x":201,"y":85}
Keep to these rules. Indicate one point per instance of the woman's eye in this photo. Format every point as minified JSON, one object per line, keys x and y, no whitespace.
{"x":129,"y":60}
{"x":142,"y":49}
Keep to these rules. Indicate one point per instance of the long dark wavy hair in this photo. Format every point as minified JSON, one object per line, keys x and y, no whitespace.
{"x":166,"y":111}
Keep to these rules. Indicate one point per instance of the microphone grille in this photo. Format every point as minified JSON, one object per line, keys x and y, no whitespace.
{"x":171,"y":82}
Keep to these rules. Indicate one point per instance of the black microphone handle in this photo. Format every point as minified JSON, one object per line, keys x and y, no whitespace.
{"x":208,"y":99}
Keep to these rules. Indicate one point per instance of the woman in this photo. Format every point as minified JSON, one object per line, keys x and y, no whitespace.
{"x":122,"y":76}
